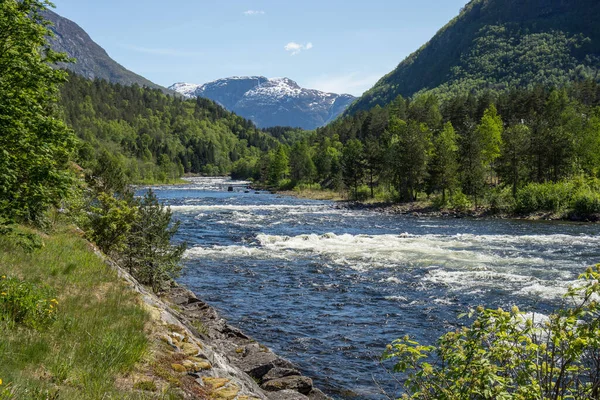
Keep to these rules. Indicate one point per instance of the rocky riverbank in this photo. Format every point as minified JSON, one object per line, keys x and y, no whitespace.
{"x":425,"y":208}
{"x":217,"y":360}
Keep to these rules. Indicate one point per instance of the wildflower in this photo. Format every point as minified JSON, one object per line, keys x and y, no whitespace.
{"x":3,"y":293}
{"x":54,"y":301}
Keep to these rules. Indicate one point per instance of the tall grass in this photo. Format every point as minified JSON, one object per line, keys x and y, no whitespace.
{"x":98,"y":333}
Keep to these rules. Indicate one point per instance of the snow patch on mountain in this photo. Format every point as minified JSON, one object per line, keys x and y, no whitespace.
{"x":271,"y":102}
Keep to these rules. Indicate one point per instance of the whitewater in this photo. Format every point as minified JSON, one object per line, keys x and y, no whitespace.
{"x":328,"y":287}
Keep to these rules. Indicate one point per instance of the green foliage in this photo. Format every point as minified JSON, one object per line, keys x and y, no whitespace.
{"x":99,"y":333}
{"x":35,"y":145}
{"x":460,"y":202}
{"x":149,"y":254}
{"x":152,"y":137}
{"x":498,"y":45}
{"x":586,"y":203}
{"x":554,"y":197}
{"x":443,"y":169}
{"x":24,"y":303}
{"x":353,"y":166}
{"x":480,"y":144}
{"x":408,"y":155}
{"x":510,"y":355}
{"x":109,"y":223}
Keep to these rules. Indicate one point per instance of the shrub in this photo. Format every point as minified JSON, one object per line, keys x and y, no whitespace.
{"x":26,"y":304}
{"x":460,"y":202}
{"x":148,"y":253}
{"x":586,"y":203}
{"x":501,"y":200}
{"x":508,"y":355}
{"x":554,"y":197}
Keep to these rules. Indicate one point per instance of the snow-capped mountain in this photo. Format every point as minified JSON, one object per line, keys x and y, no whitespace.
{"x":271,"y":102}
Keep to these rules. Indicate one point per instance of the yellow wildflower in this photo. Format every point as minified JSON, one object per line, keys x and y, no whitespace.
{"x":54,"y":301}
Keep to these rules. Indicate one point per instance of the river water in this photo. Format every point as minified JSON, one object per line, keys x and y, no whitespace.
{"x":328,"y":287}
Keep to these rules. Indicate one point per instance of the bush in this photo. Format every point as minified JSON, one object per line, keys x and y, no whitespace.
{"x":501,"y":200}
{"x":460,"y":202}
{"x":508,"y":355}
{"x":26,"y":304}
{"x":554,"y":197}
{"x":586,"y":203}
{"x":148,"y":253}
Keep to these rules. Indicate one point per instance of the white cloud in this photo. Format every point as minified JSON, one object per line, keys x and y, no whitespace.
{"x":296,"y":48}
{"x":254,"y":12}
{"x":355,"y":83}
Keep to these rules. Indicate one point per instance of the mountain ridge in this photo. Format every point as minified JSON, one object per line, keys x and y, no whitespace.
{"x":271,"y":102}
{"x":92,"y":61}
{"x":498,"y":44}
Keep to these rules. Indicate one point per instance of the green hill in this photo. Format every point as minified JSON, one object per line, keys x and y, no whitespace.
{"x":498,"y":44}
{"x":156,"y":137}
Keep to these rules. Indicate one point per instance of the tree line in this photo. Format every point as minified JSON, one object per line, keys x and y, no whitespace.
{"x":156,"y":137}
{"x":466,"y":148}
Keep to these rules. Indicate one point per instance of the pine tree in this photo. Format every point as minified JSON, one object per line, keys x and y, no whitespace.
{"x":443,"y":169}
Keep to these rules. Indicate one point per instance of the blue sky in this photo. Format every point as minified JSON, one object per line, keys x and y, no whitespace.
{"x":341,"y":46}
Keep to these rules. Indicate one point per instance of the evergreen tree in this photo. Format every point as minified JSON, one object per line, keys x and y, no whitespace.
{"x":443,"y":169}
{"x":149,"y":254}
{"x":302,"y":167}
{"x":514,"y":160}
{"x":489,"y":133}
{"x":410,"y":153}
{"x":353,"y":165}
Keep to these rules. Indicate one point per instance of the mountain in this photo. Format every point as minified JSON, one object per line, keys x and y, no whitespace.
{"x":498,"y":44}
{"x":271,"y":102}
{"x":92,"y":61}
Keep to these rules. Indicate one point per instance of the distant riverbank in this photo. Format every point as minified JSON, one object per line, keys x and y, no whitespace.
{"x":427,"y":208}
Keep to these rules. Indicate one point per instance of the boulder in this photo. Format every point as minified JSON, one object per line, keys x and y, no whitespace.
{"x":256,"y":364}
{"x":286,"y":395}
{"x":300,"y":384}
{"x":316,"y":394}
{"x":278,"y":372}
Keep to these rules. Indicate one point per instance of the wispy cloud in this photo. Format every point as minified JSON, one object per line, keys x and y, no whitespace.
{"x":296,"y":48}
{"x":355,"y":83}
{"x":163,"y":51}
{"x":252,"y":13}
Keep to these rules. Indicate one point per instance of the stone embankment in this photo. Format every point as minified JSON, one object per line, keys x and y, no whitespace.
{"x":217,"y":360}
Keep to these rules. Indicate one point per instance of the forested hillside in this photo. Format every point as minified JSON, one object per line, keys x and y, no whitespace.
{"x":155,"y":137}
{"x":498,"y":45}
{"x":523,"y":150}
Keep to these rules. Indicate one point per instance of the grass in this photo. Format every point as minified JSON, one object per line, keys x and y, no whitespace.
{"x":99,"y":333}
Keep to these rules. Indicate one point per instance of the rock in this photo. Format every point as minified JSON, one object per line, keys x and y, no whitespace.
{"x":300,"y":384}
{"x":286,"y":395}
{"x":316,"y":394}
{"x":277,"y":373}
{"x":178,"y":368}
{"x":257,"y":364}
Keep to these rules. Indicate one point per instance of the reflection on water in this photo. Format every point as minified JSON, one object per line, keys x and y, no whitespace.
{"x":328,"y":288}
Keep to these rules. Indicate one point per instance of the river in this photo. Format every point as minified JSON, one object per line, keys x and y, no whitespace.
{"x":328,"y":287}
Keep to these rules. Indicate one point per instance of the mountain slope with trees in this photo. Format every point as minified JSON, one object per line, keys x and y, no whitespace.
{"x":154,"y":137}
{"x":497,"y":45}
